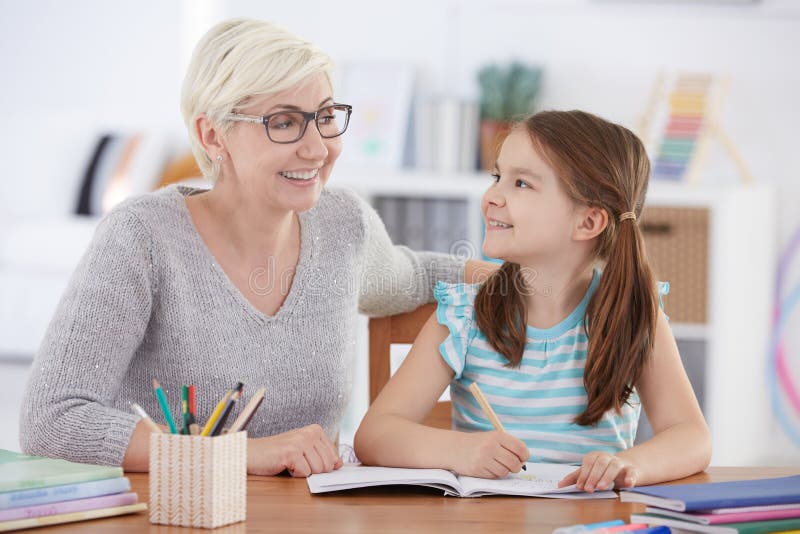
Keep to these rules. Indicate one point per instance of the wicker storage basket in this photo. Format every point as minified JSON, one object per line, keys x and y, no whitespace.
{"x":676,"y":240}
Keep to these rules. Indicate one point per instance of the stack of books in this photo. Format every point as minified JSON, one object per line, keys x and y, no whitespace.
{"x":746,"y":506}
{"x":36,"y":491}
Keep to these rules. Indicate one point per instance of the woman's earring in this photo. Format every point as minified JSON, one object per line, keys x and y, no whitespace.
{"x":219,"y":158}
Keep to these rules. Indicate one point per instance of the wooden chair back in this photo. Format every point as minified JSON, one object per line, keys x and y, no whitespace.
{"x":400,"y":328}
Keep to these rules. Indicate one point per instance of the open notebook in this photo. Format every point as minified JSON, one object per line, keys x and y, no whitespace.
{"x":540,"y":480}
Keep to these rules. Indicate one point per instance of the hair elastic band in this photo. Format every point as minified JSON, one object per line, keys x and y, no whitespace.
{"x":627,"y":215}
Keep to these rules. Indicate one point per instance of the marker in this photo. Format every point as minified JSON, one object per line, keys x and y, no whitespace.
{"x":184,"y":410}
{"x":162,"y":401}
{"x":575,"y":529}
{"x":146,"y":418}
{"x":194,"y":428}
{"x":620,"y":529}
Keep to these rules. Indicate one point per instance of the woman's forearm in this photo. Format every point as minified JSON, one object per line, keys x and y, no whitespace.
{"x":137,"y":455}
{"x":677,"y":452}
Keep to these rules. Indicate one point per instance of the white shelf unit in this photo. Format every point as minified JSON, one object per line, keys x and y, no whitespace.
{"x":741,"y":270}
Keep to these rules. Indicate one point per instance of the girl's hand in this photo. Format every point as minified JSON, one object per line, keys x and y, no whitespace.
{"x":302,"y":452}
{"x":492,"y":454}
{"x":599,"y":470}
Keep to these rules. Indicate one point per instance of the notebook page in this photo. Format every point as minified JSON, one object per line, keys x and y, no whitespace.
{"x":358,"y":476}
{"x":539,"y":480}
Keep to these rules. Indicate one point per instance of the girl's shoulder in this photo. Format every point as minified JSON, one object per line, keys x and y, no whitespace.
{"x":456,"y":305}
{"x":455,"y":295}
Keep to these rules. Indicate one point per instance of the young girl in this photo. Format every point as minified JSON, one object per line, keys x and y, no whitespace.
{"x":565,"y":353}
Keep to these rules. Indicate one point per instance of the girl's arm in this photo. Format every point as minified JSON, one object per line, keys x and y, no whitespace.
{"x":681,"y":444}
{"x":391,"y":434}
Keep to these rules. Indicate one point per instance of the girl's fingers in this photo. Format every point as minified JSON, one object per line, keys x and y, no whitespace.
{"x":570,"y":479}
{"x":599,"y":469}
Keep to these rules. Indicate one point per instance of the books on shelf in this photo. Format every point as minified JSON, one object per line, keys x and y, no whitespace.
{"x":540,"y":480}
{"x":37,"y":491}
{"x":434,"y":224}
{"x":746,"y":506}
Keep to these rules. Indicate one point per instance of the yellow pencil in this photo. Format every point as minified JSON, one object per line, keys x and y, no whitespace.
{"x":487,"y":409}
{"x":478,"y":394}
{"x":215,"y":414}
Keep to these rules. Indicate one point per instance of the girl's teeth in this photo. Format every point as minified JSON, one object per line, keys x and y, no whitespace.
{"x":300,"y":175}
{"x":499,"y":224}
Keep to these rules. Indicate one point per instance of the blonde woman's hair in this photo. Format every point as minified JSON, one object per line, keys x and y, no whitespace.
{"x":239,"y":59}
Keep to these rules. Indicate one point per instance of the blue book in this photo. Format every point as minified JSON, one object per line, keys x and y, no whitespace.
{"x":693,"y":497}
{"x":66,"y":492}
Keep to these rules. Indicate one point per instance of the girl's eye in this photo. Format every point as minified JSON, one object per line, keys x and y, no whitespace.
{"x":521,"y":183}
{"x":495,"y":177}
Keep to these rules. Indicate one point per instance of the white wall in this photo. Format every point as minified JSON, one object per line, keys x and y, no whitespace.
{"x":71,"y":66}
{"x":71,"y":69}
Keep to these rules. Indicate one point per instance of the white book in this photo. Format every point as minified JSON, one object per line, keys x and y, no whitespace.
{"x":539,"y":480}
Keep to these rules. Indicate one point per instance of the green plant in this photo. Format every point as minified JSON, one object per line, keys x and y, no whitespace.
{"x":508,"y":92}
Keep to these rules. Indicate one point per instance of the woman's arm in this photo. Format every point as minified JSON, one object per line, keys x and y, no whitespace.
{"x":396,"y":279}
{"x":391,"y":433}
{"x":77,"y":373}
{"x":681,"y":444}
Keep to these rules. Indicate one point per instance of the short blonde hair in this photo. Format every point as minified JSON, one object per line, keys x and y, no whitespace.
{"x":238,"y":59}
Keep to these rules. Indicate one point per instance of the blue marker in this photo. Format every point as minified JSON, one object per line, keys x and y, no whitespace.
{"x":575,"y":529}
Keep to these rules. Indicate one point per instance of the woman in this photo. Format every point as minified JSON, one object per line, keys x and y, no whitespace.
{"x":259,"y":279}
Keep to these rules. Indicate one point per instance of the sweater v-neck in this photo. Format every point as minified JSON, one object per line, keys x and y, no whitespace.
{"x":305,"y":220}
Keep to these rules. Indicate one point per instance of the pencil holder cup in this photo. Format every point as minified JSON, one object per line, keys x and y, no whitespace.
{"x":198,"y":481}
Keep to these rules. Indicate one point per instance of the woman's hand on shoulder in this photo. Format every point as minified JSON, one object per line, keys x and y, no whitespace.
{"x":492,"y":454}
{"x":599,"y":470}
{"x":301,"y":452}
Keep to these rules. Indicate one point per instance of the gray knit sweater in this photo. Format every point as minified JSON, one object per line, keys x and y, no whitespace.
{"x":148,"y":300}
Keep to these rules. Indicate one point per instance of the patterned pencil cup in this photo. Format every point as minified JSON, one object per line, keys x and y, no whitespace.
{"x":198,"y":481}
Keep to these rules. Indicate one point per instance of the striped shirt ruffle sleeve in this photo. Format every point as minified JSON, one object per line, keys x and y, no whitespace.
{"x":455,"y":310}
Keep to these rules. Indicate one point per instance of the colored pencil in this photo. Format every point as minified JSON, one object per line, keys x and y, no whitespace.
{"x":146,"y":418}
{"x":220,"y":424}
{"x":162,"y":401}
{"x":249,"y":410}
{"x":487,"y":409}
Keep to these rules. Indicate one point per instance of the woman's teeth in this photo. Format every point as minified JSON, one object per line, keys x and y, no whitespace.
{"x":499,"y":224}
{"x":300,"y":175}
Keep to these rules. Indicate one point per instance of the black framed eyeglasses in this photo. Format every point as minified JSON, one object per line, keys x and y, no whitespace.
{"x":289,"y":126}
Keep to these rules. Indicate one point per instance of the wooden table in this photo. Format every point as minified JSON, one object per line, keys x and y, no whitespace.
{"x":282,"y":504}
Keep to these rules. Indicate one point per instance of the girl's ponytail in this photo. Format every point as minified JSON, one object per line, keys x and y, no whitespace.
{"x":620,"y":322}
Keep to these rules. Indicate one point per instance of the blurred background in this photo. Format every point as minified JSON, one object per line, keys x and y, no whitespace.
{"x":89,"y":114}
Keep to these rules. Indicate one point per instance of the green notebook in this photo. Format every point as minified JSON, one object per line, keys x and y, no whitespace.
{"x":19,"y":471}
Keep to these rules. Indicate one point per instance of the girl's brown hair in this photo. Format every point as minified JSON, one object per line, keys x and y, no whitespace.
{"x":602,"y":165}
